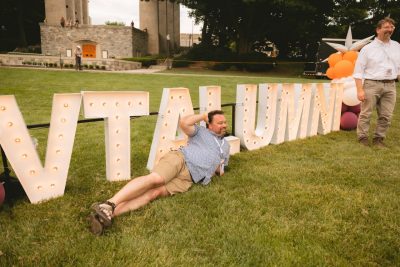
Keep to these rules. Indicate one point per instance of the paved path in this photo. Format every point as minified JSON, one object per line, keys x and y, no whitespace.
{"x":138,"y":71}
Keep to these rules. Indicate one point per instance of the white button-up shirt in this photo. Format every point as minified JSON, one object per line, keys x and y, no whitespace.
{"x":378,"y":61}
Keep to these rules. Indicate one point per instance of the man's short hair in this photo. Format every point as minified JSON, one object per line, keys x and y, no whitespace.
{"x":385,"y":20}
{"x":211,"y":114}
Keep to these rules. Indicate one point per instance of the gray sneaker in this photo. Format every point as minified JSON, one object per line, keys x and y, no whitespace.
{"x":363,"y":141}
{"x":378,"y":142}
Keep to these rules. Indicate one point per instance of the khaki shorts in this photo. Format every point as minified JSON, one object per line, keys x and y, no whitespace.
{"x":173,"y":169}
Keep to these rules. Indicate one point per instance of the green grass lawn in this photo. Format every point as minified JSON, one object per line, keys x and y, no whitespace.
{"x":320,"y":201}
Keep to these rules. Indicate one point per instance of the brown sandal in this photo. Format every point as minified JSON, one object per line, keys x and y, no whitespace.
{"x":95,"y":226}
{"x":102,"y":216}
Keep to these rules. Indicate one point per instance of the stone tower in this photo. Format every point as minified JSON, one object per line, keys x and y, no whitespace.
{"x":71,"y":10}
{"x":160,"y":18}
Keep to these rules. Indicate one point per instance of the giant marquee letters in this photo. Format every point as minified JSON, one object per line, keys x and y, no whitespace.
{"x":116,"y":109}
{"x":209,"y":100}
{"x":176,"y":103}
{"x":40,"y":183}
{"x":285,"y":112}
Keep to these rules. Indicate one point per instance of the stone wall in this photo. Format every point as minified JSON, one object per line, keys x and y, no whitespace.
{"x":140,"y":40}
{"x":42,"y":61}
{"x":110,"y":41}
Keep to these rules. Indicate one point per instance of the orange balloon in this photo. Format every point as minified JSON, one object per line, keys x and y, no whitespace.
{"x":344,"y":68}
{"x":350,"y":56}
{"x":330,"y":72}
{"x":334,"y":58}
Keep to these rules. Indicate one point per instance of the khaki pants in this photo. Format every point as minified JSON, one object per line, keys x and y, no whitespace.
{"x":173,"y":169}
{"x":383,"y":97}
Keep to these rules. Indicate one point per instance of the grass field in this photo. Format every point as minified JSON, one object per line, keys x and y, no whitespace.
{"x":320,"y":201}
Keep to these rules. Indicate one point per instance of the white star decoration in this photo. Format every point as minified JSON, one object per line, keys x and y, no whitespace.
{"x":349,"y":45}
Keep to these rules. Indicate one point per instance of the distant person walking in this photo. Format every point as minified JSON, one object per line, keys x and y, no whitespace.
{"x":378,"y":64}
{"x":62,"y":22}
{"x":78,"y":58}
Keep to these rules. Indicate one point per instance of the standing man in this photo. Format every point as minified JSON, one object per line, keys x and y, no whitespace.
{"x":78,"y":58}
{"x":206,"y":154}
{"x":378,"y":64}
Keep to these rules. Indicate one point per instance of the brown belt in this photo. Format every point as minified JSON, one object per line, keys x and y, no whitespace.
{"x":382,"y":81}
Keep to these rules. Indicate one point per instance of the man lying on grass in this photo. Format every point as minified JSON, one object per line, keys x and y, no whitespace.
{"x":206,"y":154}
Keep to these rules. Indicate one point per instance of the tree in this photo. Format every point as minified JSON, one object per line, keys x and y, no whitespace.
{"x":294,"y":26}
{"x":114,"y":23}
{"x":19,"y":23}
{"x":246,"y":22}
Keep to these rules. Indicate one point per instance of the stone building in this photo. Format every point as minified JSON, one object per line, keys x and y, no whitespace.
{"x":97,"y":41}
{"x":71,"y":10}
{"x":189,"y":39}
{"x":161,"y":20}
{"x":68,"y":24}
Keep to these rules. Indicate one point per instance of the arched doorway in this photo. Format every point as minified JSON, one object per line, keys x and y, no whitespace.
{"x":89,"y":50}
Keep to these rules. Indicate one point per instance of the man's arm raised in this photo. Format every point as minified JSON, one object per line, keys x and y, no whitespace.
{"x":187,"y":123}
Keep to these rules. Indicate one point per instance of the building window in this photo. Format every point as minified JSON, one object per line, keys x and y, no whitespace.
{"x":69,"y":52}
{"x":104,"y":54}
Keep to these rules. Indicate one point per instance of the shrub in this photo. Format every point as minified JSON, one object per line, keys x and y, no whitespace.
{"x":97,"y":67}
{"x":223,"y":57}
{"x":146,"y":61}
{"x":90,"y":66}
{"x":255,"y":62}
{"x":180,"y":62}
{"x":201,"y":52}
{"x":221,"y":66}
{"x":103,"y":67}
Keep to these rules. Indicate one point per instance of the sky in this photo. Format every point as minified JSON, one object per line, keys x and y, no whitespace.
{"x":125,"y":11}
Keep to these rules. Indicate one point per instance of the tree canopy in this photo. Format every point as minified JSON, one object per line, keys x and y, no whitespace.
{"x":242,"y":26}
{"x":294,"y":26}
{"x":19,"y":23}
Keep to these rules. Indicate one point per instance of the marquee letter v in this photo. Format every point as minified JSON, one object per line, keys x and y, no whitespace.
{"x":40,"y":183}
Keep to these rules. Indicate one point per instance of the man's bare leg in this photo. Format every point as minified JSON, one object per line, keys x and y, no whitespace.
{"x":141,"y":200}
{"x":137,"y":187}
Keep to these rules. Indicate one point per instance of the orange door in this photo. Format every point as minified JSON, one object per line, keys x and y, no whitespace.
{"x":89,"y":50}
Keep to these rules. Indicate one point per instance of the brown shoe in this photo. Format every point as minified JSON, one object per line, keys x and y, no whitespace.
{"x":378,"y":142}
{"x":95,"y":226}
{"x":363,"y":141}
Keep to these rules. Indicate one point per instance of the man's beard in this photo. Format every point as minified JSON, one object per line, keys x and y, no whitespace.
{"x":389,"y":34}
